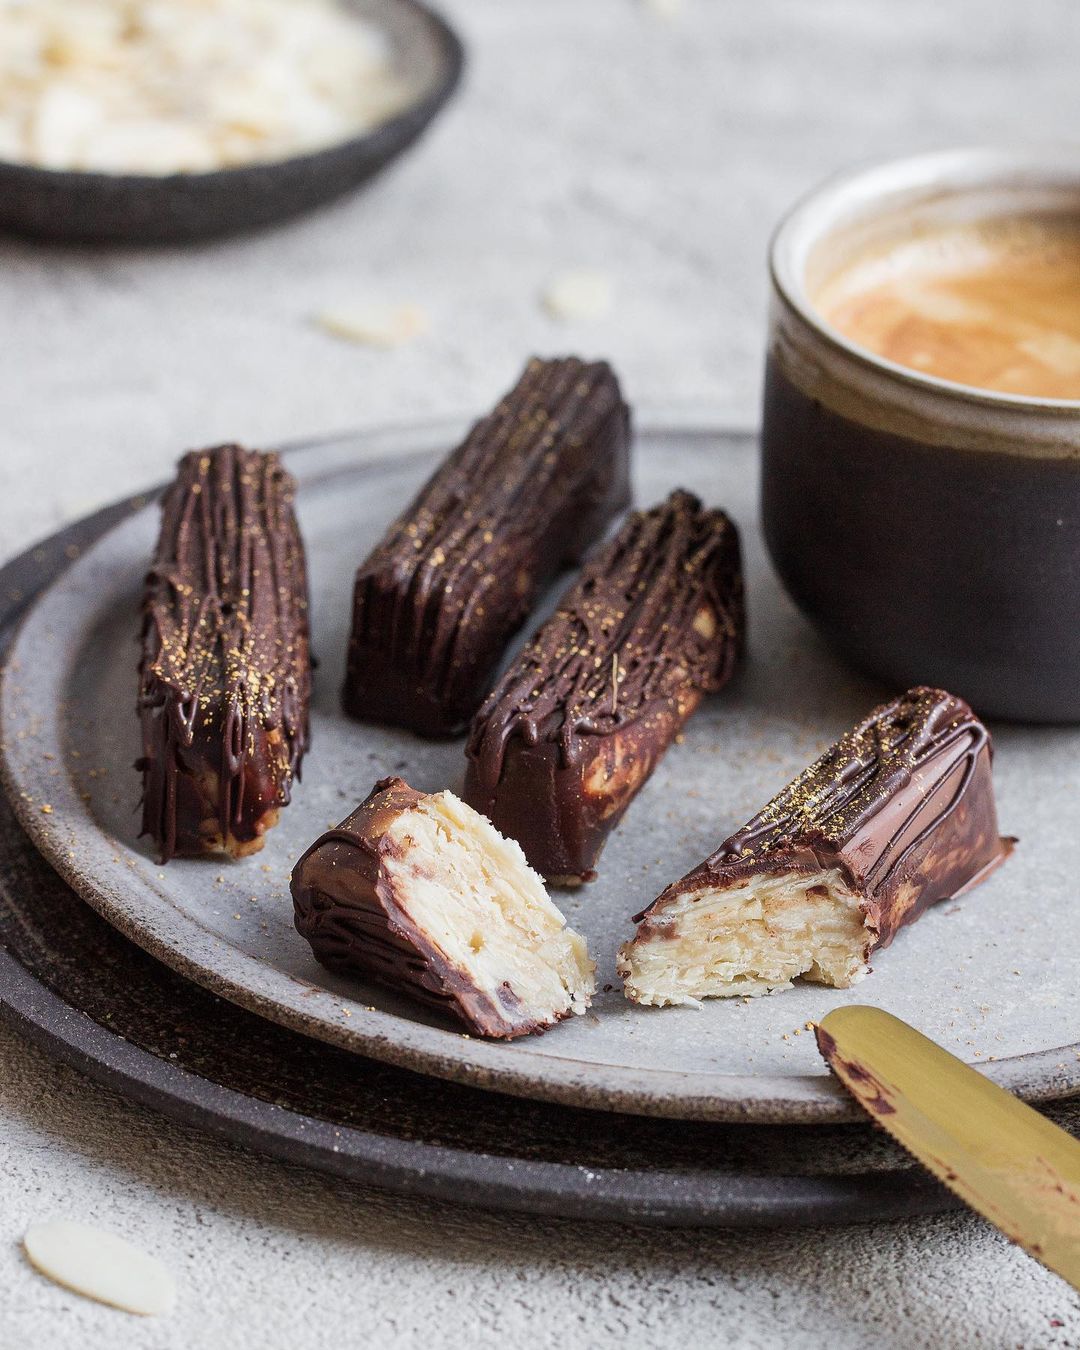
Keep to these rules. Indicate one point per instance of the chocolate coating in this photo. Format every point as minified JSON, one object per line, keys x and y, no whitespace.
{"x":528,"y":491}
{"x":225,"y":674}
{"x":357,"y":919}
{"x":581,"y":718}
{"x":903,"y":805}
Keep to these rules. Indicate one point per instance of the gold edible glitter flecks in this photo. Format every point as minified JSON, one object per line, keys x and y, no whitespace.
{"x":225,"y":673}
{"x":457,"y":573}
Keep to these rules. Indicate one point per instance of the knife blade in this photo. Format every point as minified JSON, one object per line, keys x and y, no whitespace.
{"x":1010,"y":1164}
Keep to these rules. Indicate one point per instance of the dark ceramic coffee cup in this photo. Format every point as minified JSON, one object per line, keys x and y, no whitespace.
{"x":930,"y":530}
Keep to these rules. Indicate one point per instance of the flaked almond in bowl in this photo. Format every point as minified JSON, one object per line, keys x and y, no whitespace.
{"x":153,"y":120}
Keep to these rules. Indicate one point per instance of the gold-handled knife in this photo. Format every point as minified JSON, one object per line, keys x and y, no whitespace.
{"x":1006,"y":1161}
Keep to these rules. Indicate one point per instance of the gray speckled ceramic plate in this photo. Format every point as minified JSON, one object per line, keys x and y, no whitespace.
{"x":993,"y":977}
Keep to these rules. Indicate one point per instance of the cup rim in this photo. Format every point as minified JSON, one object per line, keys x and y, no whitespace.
{"x":952,"y":171}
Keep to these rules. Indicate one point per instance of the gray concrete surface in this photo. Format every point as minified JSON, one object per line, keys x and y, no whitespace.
{"x":590,"y":132}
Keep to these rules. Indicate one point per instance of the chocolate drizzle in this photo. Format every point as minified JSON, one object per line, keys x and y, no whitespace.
{"x":902,"y":805}
{"x":225,"y":675}
{"x":458,"y":572}
{"x":858,"y":776}
{"x":654,"y":622}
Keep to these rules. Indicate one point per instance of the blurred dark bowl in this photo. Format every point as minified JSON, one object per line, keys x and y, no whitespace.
{"x":147,"y":209}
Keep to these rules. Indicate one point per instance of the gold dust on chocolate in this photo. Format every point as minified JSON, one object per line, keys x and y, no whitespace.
{"x":225,"y":675}
{"x":638,"y":626}
{"x":855,"y":777}
{"x":654,"y":622}
{"x":895,"y":817}
{"x":527,"y":492}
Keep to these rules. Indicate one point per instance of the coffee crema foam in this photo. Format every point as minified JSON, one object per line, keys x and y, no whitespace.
{"x":993,"y":304}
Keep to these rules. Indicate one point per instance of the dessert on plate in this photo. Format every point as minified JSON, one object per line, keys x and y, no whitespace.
{"x":578,"y":722}
{"x":527,"y":493}
{"x":898,"y":815}
{"x":420,"y":892}
{"x":225,"y":674}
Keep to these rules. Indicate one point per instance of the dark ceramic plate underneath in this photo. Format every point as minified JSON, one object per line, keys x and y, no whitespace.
{"x":146,"y":209}
{"x":131,"y":1023}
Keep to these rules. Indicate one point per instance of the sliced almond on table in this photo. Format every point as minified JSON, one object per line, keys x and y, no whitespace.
{"x":578,"y":294}
{"x":100,"y":1266}
{"x":664,"y":9}
{"x":375,"y":325}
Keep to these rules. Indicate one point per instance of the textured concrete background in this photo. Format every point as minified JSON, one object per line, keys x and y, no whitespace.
{"x":590,"y":132}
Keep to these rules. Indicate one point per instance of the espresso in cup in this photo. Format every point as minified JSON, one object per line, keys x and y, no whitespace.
{"x":921,"y":428}
{"x":995,"y":304}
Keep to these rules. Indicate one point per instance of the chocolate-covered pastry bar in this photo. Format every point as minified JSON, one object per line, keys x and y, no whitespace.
{"x":526,"y":494}
{"x":896,"y":816}
{"x":225,"y":674}
{"x":421,"y":893}
{"x":579,"y":721}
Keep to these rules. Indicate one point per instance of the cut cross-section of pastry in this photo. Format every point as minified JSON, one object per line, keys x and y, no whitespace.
{"x":572,"y":731}
{"x":898,"y":815}
{"x":420,"y":892}
{"x":225,"y":675}
{"x":527,"y":493}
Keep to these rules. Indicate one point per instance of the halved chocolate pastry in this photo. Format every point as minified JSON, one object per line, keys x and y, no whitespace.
{"x":421,"y":893}
{"x":898,"y":815}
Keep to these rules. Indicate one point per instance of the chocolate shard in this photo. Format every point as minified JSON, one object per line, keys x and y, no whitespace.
{"x":421,"y":893}
{"x":225,"y":674}
{"x":526,"y":494}
{"x":896,"y":816}
{"x":580,"y":719}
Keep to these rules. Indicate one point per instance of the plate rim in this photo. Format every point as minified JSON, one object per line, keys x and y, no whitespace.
{"x":458,"y":1176}
{"x":791,"y":1099}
